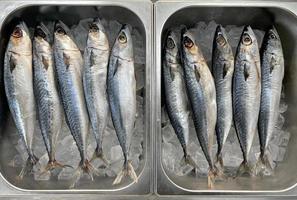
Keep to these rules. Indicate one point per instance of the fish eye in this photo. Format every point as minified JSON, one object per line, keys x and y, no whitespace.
{"x":221,"y":40}
{"x":246,"y":39}
{"x":272,"y":36}
{"x":188,"y":43}
{"x":170,"y":43}
{"x":93,"y":28}
{"x":122,"y":38}
{"x":40,"y":33}
{"x":17,"y":32}
{"x":60,"y":30}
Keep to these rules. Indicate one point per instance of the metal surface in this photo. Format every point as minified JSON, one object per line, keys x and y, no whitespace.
{"x":136,"y":13}
{"x":260,"y":15}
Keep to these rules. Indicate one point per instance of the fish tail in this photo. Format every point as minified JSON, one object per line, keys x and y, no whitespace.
{"x":98,"y":153}
{"x":211,"y":177}
{"x":53,"y":164}
{"x":219,"y":165}
{"x":31,"y":161}
{"x":263,"y":166}
{"x":84,"y":167}
{"x":127,"y":170}
{"x":244,"y":169}
{"x":187,"y":159}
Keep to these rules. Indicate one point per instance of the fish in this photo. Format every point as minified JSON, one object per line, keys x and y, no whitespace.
{"x":272,"y":73}
{"x":18,"y":83}
{"x":175,"y":93}
{"x":222,"y":70}
{"x":49,"y":108}
{"x":246,"y":94}
{"x":96,"y":56}
{"x":121,"y":90}
{"x":202,"y":97}
{"x":69,"y":72}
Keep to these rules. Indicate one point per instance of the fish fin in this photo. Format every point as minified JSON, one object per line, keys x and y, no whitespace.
{"x":116,"y":68}
{"x":31,"y":161}
{"x":92,"y":60}
{"x":66,"y":60}
{"x":45,"y":62}
{"x":99,"y":154}
{"x":226,"y":68}
{"x":246,"y":71}
{"x":272,"y":64}
{"x":51,"y":165}
{"x":263,"y":166}
{"x":244,"y":169}
{"x":127,"y":170}
{"x":219,"y":164}
{"x":84,"y":167}
{"x":187,"y":159}
{"x":171,"y":70}
{"x":12,"y":63}
{"x":211,"y":177}
{"x":197,"y":74}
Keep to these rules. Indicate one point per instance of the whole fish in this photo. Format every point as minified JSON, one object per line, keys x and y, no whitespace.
{"x":175,"y":93}
{"x":246,"y":93}
{"x":202,"y":96}
{"x":69,"y":71}
{"x":272,"y":73}
{"x":18,"y":80}
{"x":222,"y":68}
{"x":49,"y":108}
{"x":121,"y":88}
{"x":96,"y":57}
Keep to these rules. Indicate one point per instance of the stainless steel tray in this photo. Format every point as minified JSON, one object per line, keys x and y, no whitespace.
{"x":259,"y":14}
{"x":136,"y":13}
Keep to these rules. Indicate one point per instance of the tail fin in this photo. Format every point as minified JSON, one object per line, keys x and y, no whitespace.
{"x":84,"y":167}
{"x":263,"y":166}
{"x":212,"y":174}
{"x":127,"y":170}
{"x":219,"y":165}
{"x":245,"y":169}
{"x":51,"y":165}
{"x":31,"y":161}
{"x":99,"y":154}
{"x":188,"y":160}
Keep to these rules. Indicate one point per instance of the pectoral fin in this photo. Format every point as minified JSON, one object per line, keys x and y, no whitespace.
{"x":246,"y":71}
{"x":197,"y":74}
{"x":12,"y":63}
{"x":45,"y":62}
{"x":92,"y":58}
{"x":66,"y":60}
{"x":273,"y":63}
{"x":226,"y":68}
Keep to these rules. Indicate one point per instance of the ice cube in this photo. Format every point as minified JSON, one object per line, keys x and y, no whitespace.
{"x":116,"y":153}
{"x":284,"y":139}
{"x":283,"y":107}
{"x":66,"y":174}
{"x":168,"y":133}
{"x":17,"y":161}
{"x":280,"y":122}
{"x":80,"y":33}
{"x":281,"y":154}
{"x":273,"y":150}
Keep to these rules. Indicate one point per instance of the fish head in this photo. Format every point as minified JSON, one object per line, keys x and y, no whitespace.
{"x":190,"y":49}
{"x":97,"y":37}
{"x":123,"y":46}
{"x":272,"y":42}
{"x":42,"y":37}
{"x":20,"y":39}
{"x":172,"y":47}
{"x":62,"y":37}
{"x":220,"y":42}
{"x":248,"y":40}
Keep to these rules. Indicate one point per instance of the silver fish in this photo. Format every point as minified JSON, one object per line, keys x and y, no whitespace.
{"x":222,"y":68}
{"x":175,"y":93}
{"x":246,"y":94}
{"x":50,"y":112}
{"x":121,"y":88}
{"x":96,"y":57}
{"x":69,"y":71}
{"x":202,"y":96}
{"x":272,"y":73}
{"x":18,"y":80}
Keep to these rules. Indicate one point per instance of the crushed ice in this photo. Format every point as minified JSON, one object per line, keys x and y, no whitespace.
{"x":172,"y":153}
